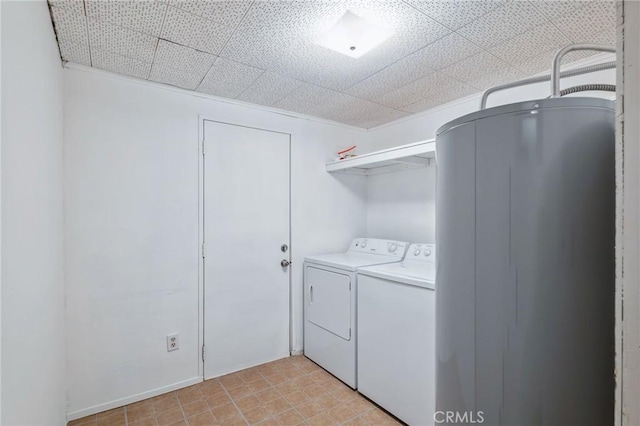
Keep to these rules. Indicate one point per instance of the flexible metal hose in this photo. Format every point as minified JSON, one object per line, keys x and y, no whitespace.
{"x":588,"y":87}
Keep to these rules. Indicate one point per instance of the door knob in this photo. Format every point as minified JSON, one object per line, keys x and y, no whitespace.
{"x":284,"y":263}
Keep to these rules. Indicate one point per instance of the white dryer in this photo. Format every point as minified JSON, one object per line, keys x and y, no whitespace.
{"x":396,"y":335}
{"x":330,"y":283}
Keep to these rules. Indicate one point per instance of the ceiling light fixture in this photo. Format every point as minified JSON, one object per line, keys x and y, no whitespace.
{"x":353,"y":36}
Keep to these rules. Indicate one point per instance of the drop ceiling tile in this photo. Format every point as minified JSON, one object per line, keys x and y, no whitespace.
{"x":313,"y":6}
{"x":183,"y":58}
{"x":69,"y":25}
{"x":143,"y":16}
{"x":233,"y":72}
{"x":369,"y":123}
{"x":337,"y":105}
{"x":74,"y":6}
{"x":503,"y":23}
{"x":499,"y":76}
{"x":444,"y":52}
{"x":284,"y":21}
{"x":369,"y":114}
{"x":529,"y":44}
{"x":228,"y":78}
{"x":333,"y":72}
{"x":594,"y":17}
{"x":120,"y":64}
{"x":227,"y":13}
{"x":552,"y":9}
{"x":193,"y":31}
{"x":304,"y":98}
{"x":174,"y":77}
{"x":606,"y":37}
{"x":416,"y":91}
{"x":221,"y":88}
{"x":421,"y":105}
{"x":353,"y":110}
{"x":455,"y":14}
{"x":260,"y":98}
{"x":474,"y":67}
{"x":270,"y":82}
{"x":453,"y":93}
{"x":394,"y":76}
{"x":71,"y":31}
{"x":74,"y":52}
{"x":125,"y":42}
{"x":260,"y":52}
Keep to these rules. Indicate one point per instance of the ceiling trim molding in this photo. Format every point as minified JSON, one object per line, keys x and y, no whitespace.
{"x":292,"y":114}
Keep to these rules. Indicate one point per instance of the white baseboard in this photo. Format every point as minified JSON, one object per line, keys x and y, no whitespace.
{"x":78,"y":414}
{"x":297,"y":352}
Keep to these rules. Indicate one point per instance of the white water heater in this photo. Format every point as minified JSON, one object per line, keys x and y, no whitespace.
{"x":526,"y":267}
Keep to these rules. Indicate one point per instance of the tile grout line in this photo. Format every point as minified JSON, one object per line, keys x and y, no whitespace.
{"x":219,"y":54}
{"x":155,"y":51}
{"x":184,"y":416}
{"x":224,"y":388}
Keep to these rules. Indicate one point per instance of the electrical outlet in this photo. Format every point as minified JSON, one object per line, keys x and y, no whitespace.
{"x":173,"y":342}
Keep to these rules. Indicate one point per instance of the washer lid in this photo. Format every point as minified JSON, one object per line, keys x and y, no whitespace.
{"x":350,"y":261}
{"x":416,"y":273}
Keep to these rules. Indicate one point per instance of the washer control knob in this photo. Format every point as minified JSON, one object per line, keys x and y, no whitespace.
{"x":416,"y":252}
{"x":392,"y":247}
{"x":363,"y":243}
{"x":427,"y":252}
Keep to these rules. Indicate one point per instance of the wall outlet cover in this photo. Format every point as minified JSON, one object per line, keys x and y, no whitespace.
{"x":173,"y":342}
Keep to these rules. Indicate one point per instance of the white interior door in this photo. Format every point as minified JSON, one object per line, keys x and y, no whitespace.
{"x":246,"y":222}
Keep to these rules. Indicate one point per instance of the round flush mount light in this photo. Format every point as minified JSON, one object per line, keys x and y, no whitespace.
{"x":352,"y":48}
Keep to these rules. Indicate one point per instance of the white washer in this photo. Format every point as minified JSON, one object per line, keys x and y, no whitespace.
{"x":396,"y":335}
{"x":330,"y":283}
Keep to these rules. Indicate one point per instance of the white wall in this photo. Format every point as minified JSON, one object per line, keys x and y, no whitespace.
{"x":131,"y":185}
{"x":402,"y":205}
{"x":33,"y":338}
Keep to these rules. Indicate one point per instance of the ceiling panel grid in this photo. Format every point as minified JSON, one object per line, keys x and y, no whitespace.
{"x":263,"y":51}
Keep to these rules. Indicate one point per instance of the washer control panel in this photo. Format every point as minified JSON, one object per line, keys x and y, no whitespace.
{"x":379,"y":246}
{"x":422,"y":252}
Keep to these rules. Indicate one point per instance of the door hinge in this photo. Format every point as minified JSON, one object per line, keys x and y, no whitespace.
{"x":349,"y":334}
{"x":203,"y":147}
{"x":349,"y":285}
{"x":203,"y":250}
{"x":204,"y":353}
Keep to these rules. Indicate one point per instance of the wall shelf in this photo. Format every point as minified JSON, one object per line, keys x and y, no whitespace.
{"x":405,"y":157}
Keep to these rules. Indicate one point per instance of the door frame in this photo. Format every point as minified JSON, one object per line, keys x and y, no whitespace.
{"x":202,"y":119}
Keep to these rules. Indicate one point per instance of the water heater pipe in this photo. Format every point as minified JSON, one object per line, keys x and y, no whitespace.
{"x":555,"y":65}
{"x":543,"y":78}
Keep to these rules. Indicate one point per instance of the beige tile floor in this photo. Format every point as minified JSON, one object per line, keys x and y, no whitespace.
{"x":291,"y":391}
